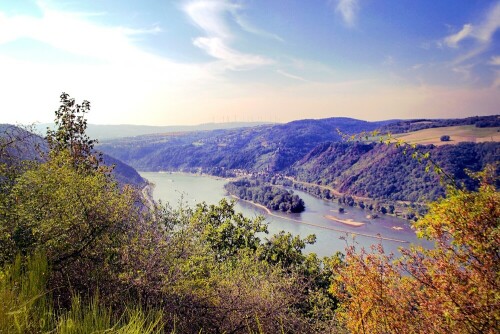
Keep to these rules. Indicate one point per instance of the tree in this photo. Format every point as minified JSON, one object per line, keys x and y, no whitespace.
{"x":445,"y":138}
{"x":227,"y":231}
{"x":452,"y":288}
{"x":68,"y":207}
{"x":66,"y":213}
{"x":71,"y":124}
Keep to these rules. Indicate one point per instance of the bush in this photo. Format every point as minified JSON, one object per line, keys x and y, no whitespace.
{"x":451,"y":288}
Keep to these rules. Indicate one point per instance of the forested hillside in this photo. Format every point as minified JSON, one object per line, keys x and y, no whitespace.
{"x":267,"y":147}
{"x":380,"y":171}
{"x":24,"y":145}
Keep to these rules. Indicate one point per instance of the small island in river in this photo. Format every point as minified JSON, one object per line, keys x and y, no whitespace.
{"x":272,"y":197}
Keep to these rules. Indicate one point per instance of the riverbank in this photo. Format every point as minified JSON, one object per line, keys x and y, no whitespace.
{"x":147,"y":194}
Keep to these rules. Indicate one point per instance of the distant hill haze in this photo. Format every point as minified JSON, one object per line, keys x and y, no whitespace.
{"x":101,"y":132}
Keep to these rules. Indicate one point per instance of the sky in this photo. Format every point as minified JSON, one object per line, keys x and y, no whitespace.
{"x":155,"y":62}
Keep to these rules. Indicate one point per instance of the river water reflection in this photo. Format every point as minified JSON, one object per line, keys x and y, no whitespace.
{"x":392,"y":232}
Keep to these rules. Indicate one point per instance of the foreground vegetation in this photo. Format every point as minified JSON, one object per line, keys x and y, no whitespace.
{"x":80,"y":253}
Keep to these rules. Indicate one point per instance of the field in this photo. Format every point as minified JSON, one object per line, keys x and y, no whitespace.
{"x":458,"y":134}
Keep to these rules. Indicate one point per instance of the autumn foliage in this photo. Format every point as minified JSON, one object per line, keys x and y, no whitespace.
{"x":452,"y":288}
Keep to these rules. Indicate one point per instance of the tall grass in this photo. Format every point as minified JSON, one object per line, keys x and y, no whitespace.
{"x":26,"y":306}
{"x":93,"y":317}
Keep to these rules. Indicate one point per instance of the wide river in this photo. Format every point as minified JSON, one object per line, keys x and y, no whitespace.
{"x":392,"y":232}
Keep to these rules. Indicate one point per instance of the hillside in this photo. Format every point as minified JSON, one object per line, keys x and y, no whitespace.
{"x":262,"y":148}
{"x":383,"y":172}
{"x":28,"y":146}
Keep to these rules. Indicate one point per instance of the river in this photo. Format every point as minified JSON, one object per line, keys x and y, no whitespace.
{"x":392,"y":232}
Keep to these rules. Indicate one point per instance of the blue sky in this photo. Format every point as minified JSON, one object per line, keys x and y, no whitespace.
{"x":196,"y":61}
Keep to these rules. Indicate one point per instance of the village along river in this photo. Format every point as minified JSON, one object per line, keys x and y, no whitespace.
{"x":391,"y":231}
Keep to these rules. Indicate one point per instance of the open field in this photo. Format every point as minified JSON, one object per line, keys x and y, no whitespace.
{"x":458,"y":134}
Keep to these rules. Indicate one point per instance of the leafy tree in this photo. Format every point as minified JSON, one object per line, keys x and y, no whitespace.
{"x":445,"y":138}
{"x":71,"y":124}
{"x":285,"y":250}
{"x":67,"y":213}
{"x":226,"y":231}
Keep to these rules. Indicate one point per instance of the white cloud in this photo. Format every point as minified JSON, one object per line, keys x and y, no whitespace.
{"x":110,"y":70}
{"x":210,"y":16}
{"x":480,"y":36}
{"x":291,"y":76}
{"x":482,"y":32}
{"x":495,"y":60}
{"x":248,"y":27}
{"x":68,"y":32}
{"x":232,"y":59}
{"x":389,"y":60}
{"x":453,"y":40}
{"x":348,"y":9}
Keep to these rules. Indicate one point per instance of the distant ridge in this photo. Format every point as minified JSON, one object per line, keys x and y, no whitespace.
{"x":98,"y":131}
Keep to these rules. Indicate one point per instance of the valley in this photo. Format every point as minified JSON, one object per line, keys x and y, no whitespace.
{"x":311,"y":155}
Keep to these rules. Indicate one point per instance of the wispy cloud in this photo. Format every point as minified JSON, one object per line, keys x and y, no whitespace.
{"x":495,"y":60}
{"x":481,"y":33}
{"x":485,"y":30}
{"x":291,"y":76}
{"x":348,"y":9}
{"x":453,"y":40}
{"x":72,"y":33}
{"x":465,"y":71}
{"x":210,"y":16}
{"x":389,"y":60}
{"x":496,"y":81}
{"x":217,"y":48}
{"x":249,"y":27}
{"x":479,"y":37}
